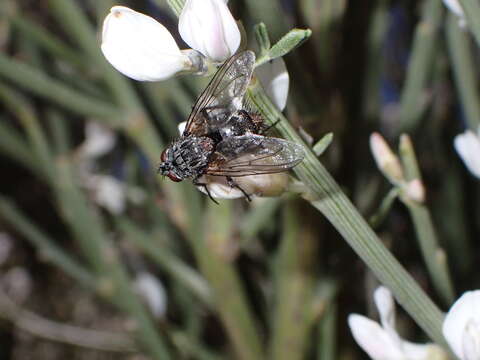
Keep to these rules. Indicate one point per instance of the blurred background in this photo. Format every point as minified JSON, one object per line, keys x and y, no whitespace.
{"x":102,"y":259}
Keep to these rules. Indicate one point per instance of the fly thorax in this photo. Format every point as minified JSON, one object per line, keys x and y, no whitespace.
{"x":187,"y":157}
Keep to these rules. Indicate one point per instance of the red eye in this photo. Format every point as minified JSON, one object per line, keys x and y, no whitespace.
{"x":173,"y":177}
{"x":163,"y":156}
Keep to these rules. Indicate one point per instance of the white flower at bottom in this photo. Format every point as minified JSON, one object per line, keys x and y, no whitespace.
{"x":382,"y":342}
{"x":468,"y":147}
{"x":461,"y":327}
{"x":140,"y":47}
{"x":275,"y":80}
{"x":209,"y":27}
{"x":267,"y":185}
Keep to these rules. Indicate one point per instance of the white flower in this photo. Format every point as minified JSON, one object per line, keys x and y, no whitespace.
{"x":275,"y":80}
{"x":461,"y":327}
{"x":153,"y":292}
{"x":468,"y":147}
{"x":382,"y":342}
{"x":140,"y":47}
{"x":208,"y":27}
{"x":99,"y":140}
{"x":108,"y":192}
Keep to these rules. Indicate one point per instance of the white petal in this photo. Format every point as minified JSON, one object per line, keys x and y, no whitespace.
{"x":108,"y":192}
{"x":153,"y":292}
{"x":99,"y":140}
{"x":465,"y":311}
{"x":140,"y":47}
{"x":373,"y":339}
{"x":181,"y":127}
{"x":386,"y":308}
{"x":454,"y":7}
{"x":471,"y":341}
{"x":468,"y":147}
{"x":275,"y":80}
{"x":208,"y":27}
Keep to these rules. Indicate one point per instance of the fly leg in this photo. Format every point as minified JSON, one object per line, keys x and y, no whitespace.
{"x":267,"y":128}
{"x":233,"y":184}
{"x":204,"y":185}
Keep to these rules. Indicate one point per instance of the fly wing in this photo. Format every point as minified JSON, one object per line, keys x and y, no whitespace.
{"x":254,"y":155}
{"x":223,"y":95}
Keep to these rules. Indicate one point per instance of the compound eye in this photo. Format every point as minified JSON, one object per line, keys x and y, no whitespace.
{"x":163,"y":156}
{"x":173,"y":177}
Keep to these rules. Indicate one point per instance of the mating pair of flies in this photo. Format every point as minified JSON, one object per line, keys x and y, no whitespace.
{"x":223,"y":138}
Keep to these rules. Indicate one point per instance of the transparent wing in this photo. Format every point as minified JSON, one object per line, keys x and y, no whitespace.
{"x":223,"y":95}
{"x":254,"y":155}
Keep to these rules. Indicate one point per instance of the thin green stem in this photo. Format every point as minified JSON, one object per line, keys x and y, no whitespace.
{"x":433,"y":255}
{"x":213,"y":254}
{"x":471,"y":9}
{"x":464,"y":70}
{"x":44,"y":39}
{"x":41,"y":85}
{"x":293,"y":289}
{"x":420,"y":65}
{"x":167,"y":261}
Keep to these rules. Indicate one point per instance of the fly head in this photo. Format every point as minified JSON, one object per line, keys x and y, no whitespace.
{"x":186,"y":157}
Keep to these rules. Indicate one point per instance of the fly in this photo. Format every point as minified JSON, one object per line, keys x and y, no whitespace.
{"x":222,"y":138}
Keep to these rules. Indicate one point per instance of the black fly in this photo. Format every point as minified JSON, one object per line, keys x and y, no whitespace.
{"x":222,"y":138}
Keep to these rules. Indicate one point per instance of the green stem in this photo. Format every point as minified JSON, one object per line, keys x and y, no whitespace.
{"x":419,"y":69}
{"x":41,"y":85}
{"x":339,"y":210}
{"x":471,"y":9}
{"x":433,"y":255}
{"x":38,"y":35}
{"x":464,"y":70}
{"x":167,"y":261}
{"x":293,"y":289}
{"x":216,"y":264}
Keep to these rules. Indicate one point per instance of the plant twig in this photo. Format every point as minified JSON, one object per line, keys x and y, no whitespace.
{"x":433,"y":255}
{"x":419,"y":69}
{"x":464,"y":70}
{"x":337,"y":208}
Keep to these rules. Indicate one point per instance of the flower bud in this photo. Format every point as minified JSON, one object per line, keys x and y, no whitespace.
{"x":386,"y":160}
{"x":414,"y":190}
{"x":208,"y":27}
{"x":140,"y":47}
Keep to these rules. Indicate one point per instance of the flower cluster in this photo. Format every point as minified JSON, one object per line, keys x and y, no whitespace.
{"x":143,"y":49}
{"x":461,"y":329}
